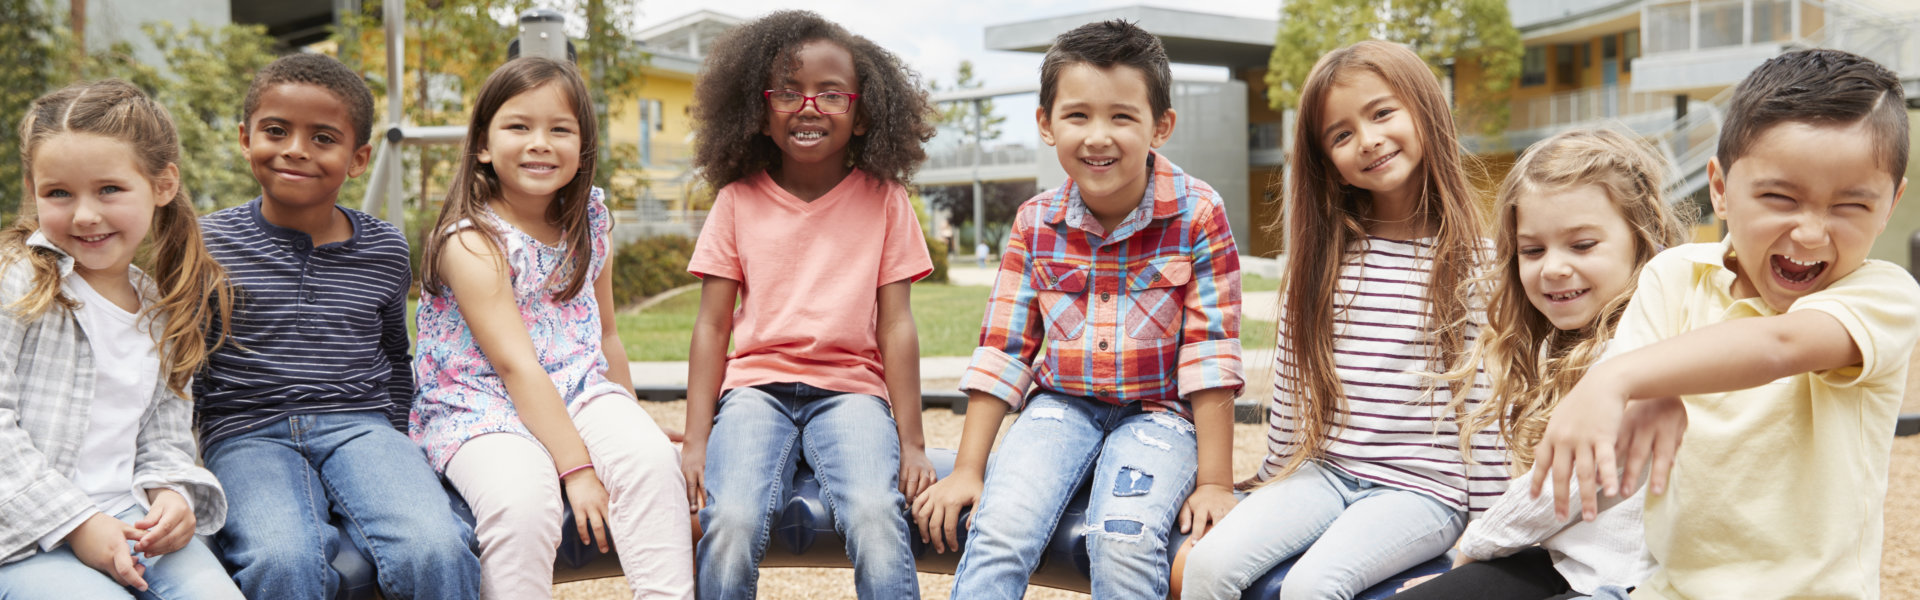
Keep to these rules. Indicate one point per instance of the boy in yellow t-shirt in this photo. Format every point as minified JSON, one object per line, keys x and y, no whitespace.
{"x":1781,"y":352}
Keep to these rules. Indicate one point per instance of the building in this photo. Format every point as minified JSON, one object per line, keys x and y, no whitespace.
{"x":1661,"y":68}
{"x":659,"y":122}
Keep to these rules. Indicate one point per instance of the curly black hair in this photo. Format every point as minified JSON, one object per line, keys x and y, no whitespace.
{"x":731,"y":111}
{"x":319,"y":70}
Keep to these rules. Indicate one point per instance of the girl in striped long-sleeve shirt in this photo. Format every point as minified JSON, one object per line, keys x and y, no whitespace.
{"x":1364,"y":477}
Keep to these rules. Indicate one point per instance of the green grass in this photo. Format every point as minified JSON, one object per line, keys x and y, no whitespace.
{"x":947,"y":316}
{"x":1255,"y":283}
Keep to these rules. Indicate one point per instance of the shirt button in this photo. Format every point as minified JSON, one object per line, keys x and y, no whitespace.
{"x":312,"y":297}
{"x":1103,"y":344}
{"x":1106,"y":296}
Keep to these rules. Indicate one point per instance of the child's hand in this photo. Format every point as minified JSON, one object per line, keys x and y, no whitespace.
{"x":1651,"y":430}
{"x":937,"y":510}
{"x":916,"y":473}
{"x":1205,"y":506}
{"x":1579,"y":442}
{"x":101,"y":542}
{"x":693,"y":465}
{"x":169,"y":524}
{"x":588,"y":497}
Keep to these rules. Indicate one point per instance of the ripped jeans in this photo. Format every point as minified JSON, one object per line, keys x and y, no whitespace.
{"x":1142,"y":465}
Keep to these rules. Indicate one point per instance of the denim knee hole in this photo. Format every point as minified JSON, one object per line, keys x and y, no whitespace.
{"x":1132,"y":482}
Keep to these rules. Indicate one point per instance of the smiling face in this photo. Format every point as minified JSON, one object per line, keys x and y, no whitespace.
{"x":809,"y":138}
{"x":533,"y":143}
{"x":300,"y":144}
{"x":1369,"y":134}
{"x":1102,"y":129}
{"x":1799,"y":220}
{"x":94,"y":202}
{"x":1576,"y":253}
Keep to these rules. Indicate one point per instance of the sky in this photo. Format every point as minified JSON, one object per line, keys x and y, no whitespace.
{"x":934,"y":36}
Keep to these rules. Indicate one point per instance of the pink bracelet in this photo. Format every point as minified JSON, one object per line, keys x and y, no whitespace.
{"x":575,"y":470}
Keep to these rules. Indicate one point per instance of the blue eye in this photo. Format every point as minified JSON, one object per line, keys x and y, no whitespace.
{"x":111,"y":189}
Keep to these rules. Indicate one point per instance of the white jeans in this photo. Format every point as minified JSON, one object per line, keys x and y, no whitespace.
{"x":510,"y":482}
{"x":1349,"y":534}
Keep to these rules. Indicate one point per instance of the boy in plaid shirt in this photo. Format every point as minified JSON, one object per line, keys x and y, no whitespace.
{"x":1129,"y":273}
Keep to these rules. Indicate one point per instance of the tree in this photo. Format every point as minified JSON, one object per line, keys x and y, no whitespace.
{"x":204,"y":74}
{"x":960,"y":115}
{"x":1000,"y":198}
{"x":30,"y":46}
{"x":1442,"y":32}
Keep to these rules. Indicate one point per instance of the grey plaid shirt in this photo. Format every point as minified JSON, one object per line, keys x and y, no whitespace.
{"x":46,"y":388}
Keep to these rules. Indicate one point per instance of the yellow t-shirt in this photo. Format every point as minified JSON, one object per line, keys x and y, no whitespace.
{"x":1778,"y":490}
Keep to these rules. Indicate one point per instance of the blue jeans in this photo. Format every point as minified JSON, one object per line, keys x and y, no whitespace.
{"x":851,"y":442}
{"x":1349,"y":534}
{"x":190,"y":573}
{"x":286,"y":482}
{"x":1142,"y":465}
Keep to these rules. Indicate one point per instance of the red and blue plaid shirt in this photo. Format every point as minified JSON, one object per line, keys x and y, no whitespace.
{"x":1150,"y":313}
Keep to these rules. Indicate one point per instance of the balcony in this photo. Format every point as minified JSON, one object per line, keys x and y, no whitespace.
{"x":1697,"y":45}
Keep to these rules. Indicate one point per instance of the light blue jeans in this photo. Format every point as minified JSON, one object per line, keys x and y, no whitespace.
{"x":853,"y":446}
{"x":1349,"y":534}
{"x":287,"y":480}
{"x":1142,"y":465}
{"x":190,"y":573}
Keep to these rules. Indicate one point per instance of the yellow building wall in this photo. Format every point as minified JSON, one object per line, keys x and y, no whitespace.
{"x":671,"y":142}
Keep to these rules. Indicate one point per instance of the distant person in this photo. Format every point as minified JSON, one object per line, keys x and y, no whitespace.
{"x":1787,"y":346}
{"x":810,"y":133}
{"x":525,"y":400}
{"x":103,"y":497}
{"x":1128,"y":275}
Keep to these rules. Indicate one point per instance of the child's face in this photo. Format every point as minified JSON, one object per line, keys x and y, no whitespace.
{"x":533,"y":143}
{"x":1370,"y":136}
{"x":300,"y":143}
{"x":1802,"y":208}
{"x":1102,"y":128}
{"x":94,"y":201}
{"x":1576,"y":253}
{"x":811,"y":138}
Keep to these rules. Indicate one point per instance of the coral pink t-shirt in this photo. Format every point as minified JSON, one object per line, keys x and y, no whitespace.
{"x":810,"y":275}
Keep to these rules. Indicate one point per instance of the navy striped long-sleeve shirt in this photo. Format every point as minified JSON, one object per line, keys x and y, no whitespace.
{"x":318,"y":330}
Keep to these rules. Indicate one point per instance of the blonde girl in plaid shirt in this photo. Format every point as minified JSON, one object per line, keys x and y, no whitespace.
{"x":104,"y":496}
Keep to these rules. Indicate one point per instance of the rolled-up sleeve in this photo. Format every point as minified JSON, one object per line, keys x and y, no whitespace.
{"x":1210,"y":358}
{"x":1002,"y":365}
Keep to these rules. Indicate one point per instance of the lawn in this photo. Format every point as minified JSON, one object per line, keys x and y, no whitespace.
{"x":948,"y":317}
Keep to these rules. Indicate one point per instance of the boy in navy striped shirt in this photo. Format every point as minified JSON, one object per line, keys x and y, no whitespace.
{"x":304,"y":416}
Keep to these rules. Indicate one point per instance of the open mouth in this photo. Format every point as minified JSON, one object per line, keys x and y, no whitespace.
{"x":1796,"y":273}
{"x":1099,"y":162}
{"x":1568,"y":295}
{"x":809,"y":135}
{"x":93,"y":239}
{"x":1381,"y":161}
{"x":541,"y":168}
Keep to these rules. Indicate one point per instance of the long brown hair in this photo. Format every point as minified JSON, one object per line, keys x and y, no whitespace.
{"x":193,"y":288}
{"x":1531,"y":363}
{"x":475,"y":184}
{"x":1328,"y":219}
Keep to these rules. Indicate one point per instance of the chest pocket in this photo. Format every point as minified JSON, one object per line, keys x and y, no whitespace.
{"x":1062,"y":290}
{"x":1157,"y":292}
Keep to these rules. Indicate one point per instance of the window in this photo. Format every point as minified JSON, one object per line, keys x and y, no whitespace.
{"x":1586,"y":56}
{"x":1564,"y":65}
{"x":1533,"y":66}
{"x":1669,"y":27}
{"x":1632,"y":47}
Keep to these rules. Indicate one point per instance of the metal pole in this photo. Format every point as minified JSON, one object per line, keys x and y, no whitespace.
{"x":396,"y":18}
{"x":979,"y":203}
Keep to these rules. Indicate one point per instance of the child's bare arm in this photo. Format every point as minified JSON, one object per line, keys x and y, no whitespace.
{"x":618,"y":371}
{"x":1213,"y":483}
{"x":706,"y":368}
{"x":900,"y":352}
{"x":938,"y":509}
{"x":1732,"y":355}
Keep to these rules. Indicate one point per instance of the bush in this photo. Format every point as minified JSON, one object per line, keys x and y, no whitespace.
{"x":651,"y":265}
{"x":937,"y":250}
